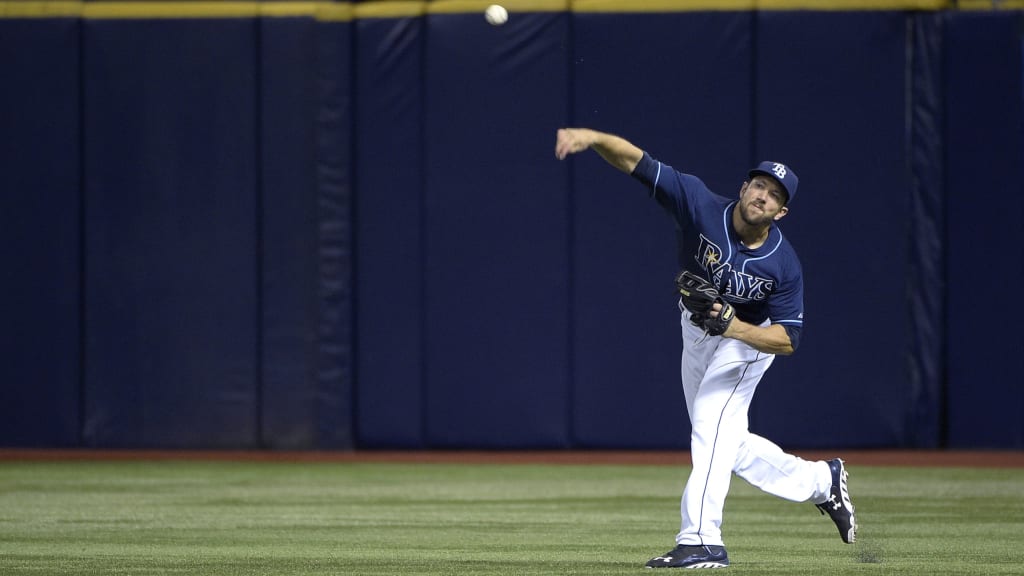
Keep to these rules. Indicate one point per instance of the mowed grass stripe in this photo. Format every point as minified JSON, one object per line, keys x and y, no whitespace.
{"x":433,"y":519}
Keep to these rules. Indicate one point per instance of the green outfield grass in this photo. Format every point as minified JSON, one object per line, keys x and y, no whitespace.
{"x":230,"y":518}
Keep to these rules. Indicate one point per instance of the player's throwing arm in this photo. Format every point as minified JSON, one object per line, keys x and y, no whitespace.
{"x":617,"y":151}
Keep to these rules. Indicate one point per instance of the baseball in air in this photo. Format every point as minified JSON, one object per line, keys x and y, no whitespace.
{"x":496,"y":15}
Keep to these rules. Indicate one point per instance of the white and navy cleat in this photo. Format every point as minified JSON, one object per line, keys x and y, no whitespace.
{"x":838,"y":506}
{"x":686,"y":556}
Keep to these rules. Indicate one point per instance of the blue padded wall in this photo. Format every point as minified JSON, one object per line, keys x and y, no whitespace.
{"x":40,"y":233}
{"x":287,"y":108}
{"x":925,"y":273}
{"x":306,"y":267}
{"x":170,"y":260}
{"x":389,"y":270}
{"x":496,"y":232}
{"x":334,"y":406}
{"x":848,"y":223}
{"x":985,"y":152}
{"x":688,"y":104}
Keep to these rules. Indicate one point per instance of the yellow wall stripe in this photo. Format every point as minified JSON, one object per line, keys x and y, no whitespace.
{"x":609,"y":6}
{"x":991,"y":4}
{"x":288,"y":9}
{"x":389,"y":9}
{"x":345,"y":11}
{"x":469,"y":6}
{"x":158,"y":10}
{"x":746,"y":5}
{"x":40,"y":9}
{"x":334,"y":12}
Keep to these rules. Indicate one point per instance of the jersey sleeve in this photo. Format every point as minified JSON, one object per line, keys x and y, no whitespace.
{"x":678,"y":193}
{"x":786,"y":305}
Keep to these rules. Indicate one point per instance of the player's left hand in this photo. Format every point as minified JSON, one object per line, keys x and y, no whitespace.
{"x":720,"y":318}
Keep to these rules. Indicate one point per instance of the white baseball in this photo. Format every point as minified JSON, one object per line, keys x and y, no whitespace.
{"x":496,"y":15}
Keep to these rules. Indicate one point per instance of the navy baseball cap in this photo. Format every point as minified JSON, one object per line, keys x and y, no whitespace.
{"x":784,"y":174}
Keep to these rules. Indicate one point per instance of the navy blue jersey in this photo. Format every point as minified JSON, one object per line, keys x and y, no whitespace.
{"x":764,"y":283}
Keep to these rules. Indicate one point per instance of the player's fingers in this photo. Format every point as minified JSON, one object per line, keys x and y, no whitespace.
{"x":566,"y":148}
{"x":562,"y":144}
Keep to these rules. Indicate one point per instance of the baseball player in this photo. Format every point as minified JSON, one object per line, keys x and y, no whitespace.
{"x":741,"y":304}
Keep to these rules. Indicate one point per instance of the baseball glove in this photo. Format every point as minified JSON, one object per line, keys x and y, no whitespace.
{"x":699,"y":296}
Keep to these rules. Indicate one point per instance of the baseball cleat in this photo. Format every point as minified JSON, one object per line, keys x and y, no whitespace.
{"x":838,"y":505}
{"x":686,"y":556}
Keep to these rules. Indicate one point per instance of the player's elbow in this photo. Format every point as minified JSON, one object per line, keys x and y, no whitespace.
{"x":791,"y":335}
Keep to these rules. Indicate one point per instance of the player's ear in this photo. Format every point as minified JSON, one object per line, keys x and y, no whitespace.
{"x":782,"y":212}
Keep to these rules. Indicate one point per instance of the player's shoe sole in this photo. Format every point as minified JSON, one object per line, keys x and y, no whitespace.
{"x":838,"y":506}
{"x":685,"y":556}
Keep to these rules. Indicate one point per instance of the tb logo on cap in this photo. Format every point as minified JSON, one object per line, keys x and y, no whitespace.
{"x":780,"y":172}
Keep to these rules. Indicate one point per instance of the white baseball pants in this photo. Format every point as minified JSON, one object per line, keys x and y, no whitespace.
{"x":719,"y":377}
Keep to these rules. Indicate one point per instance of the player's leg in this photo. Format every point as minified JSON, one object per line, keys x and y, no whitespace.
{"x":698,"y":352}
{"x":718,"y":417}
{"x":764,"y":465}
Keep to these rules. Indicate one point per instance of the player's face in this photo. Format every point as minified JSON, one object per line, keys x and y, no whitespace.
{"x":761,"y":201}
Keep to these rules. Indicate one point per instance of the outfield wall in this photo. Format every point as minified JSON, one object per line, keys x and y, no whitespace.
{"x":330,"y":225}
